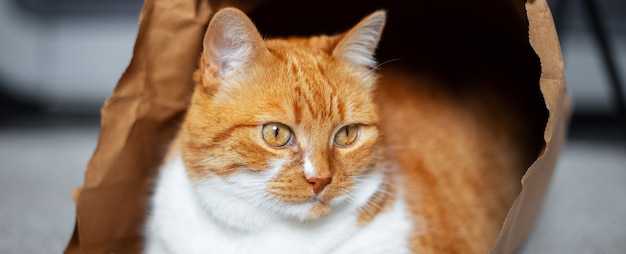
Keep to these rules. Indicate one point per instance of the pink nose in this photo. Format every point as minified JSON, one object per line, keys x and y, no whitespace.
{"x":318,"y":183}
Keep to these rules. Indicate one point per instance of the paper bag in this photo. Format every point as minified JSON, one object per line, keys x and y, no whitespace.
{"x":454,"y":38}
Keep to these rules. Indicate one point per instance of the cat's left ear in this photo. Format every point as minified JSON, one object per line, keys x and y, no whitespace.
{"x":359,"y":43}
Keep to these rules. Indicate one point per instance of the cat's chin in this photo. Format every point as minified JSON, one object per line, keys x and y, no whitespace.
{"x":312,"y":210}
{"x":317,"y":211}
{"x":303,"y":212}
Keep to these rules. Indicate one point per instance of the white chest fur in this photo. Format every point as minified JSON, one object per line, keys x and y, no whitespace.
{"x":180,"y":223}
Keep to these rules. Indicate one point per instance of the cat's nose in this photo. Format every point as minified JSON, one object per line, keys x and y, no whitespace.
{"x":319,"y":183}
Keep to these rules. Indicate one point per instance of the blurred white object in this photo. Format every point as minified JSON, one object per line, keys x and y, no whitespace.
{"x":66,"y":63}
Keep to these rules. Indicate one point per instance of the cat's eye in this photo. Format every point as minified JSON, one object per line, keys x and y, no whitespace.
{"x":347,"y":135}
{"x":276,"y":134}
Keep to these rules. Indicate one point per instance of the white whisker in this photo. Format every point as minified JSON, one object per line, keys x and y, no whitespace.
{"x":207,"y":159}
{"x":377,"y":67}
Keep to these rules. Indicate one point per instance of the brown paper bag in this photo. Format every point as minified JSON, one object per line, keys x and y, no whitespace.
{"x":514,"y":37}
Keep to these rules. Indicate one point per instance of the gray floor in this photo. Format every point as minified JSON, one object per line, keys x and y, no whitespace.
{"x":585,"y":207}
{"x":39,"y":168}
{"x":584,"y":211}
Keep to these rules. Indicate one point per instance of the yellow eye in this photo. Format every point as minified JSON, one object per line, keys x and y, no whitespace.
{"x":276,"y":135}
{"x":347,"y":135}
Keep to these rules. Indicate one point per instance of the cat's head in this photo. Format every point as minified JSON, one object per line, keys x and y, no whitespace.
{"x":285,"y":126}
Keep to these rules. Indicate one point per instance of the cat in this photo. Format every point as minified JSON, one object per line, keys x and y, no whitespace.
{"x":301,"y":145}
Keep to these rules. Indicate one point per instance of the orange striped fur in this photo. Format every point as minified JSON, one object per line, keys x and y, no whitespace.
{"x":433,"y":148}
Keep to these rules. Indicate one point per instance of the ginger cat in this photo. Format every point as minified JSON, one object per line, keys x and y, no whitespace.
{"x":297,"y":146}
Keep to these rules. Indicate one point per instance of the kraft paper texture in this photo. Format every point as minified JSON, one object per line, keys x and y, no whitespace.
{"x":145,"y":109}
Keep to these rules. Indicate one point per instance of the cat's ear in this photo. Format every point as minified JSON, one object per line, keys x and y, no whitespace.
{"x":359,"y":43}
{"x":230,"y":43}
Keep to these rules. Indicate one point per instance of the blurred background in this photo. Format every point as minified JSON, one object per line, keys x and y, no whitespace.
{"x":60,"y":59}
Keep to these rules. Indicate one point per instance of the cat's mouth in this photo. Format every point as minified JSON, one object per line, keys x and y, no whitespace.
{"x":315,"y":199}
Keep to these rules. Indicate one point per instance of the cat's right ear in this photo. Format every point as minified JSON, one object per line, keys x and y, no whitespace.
{"x":360,"y":42}
{"x":231,"y":43}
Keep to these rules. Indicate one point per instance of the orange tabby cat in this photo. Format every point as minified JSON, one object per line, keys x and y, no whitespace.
{"x":295,"y":146}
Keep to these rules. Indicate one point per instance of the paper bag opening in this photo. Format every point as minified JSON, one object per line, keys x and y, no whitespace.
{"x":510,"y":44}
